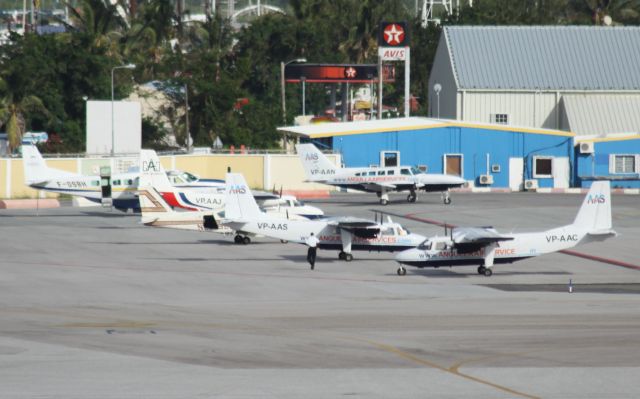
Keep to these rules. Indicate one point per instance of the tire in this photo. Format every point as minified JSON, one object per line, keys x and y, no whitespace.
{"x":481,"y":269}
{"x":237,"y":239}
{"x":246,"y":240}
{"x":447,"y":200}
{"x":384,"y":202}
{"x":284,"y":241}
{"x":411,"y":198}
{"x":341,"y":255}
{"x":401,"y":271}
{"x":488,"y":272}
{"x":348,"y":257}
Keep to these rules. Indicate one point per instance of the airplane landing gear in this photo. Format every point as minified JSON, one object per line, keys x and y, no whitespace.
{"x":345,"y":256}
{"x":446,"y":198}
{"x":485,"y":270}
{"x":384,"y":197}
{"x":401,"y":271}
{"x":238,"y":239}
{"x":412,"y":197}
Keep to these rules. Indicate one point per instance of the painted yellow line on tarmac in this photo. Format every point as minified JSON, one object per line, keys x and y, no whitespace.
{"x":452,"y":370}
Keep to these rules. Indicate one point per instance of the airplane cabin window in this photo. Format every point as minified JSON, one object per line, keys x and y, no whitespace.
{"x":391,"y":172}
{"x":381,"y":173}
{"x":95,"y":183}
{"x":405,"y":171}
{"x":387,"y":232}
{"x":371,"y":173}
{"x":116,"y":183}
{"x":188,"y":177}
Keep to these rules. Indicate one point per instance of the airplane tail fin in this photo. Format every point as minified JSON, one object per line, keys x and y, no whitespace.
{"x":595,"y":213}
{"x":316,"y":166}
{"x":152,"y":203}
{"x":36,"y":170}
{"x":152,"y":173}
{"x":238,"y":201}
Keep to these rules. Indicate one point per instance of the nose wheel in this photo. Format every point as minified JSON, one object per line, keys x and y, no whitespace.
{"x":412,"y":197}
{"x":401,"y":271}
{"x":446,"y":198}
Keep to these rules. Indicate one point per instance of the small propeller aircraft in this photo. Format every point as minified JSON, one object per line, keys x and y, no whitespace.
{"x":345,"y":234}
{"x":484,"y":246}
{"x":381,"y":181}
{"x":123,"y":185}
{"x":152,"y":174}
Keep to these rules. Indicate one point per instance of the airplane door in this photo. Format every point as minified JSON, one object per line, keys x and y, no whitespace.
{"x":560,"y":170}
{"x":516,"y":174}
{"x":105,"y":185}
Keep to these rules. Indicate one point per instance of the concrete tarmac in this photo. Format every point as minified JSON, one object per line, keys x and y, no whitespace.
{"x":95,"y":305}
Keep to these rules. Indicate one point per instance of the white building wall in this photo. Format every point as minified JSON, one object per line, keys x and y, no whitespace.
{"x":532,"y":109}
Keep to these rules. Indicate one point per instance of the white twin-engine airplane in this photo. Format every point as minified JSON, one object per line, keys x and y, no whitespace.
{"x":380,"y":180}
{"x":486,"y":247}
{"x":152,"y":174}
{"x":123,"y":185}
{"x":242,"y":214}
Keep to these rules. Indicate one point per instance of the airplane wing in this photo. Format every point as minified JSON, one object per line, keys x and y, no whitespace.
{"x":471,"y":239}
{"x":359,"y":227}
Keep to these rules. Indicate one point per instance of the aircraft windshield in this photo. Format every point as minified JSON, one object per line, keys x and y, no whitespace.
{"x":415,"y":171}
{"x":426,"y":244}
{"x":298,"y":203}
{"x":188,"y":177}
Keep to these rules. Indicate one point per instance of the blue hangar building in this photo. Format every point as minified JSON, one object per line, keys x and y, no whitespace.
{"x":486,"y":155}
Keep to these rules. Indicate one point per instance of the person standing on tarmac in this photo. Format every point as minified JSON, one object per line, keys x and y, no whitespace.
{"x":312,"y":242}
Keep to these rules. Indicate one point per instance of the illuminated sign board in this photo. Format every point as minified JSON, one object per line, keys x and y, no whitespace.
{"x":336,"y":73}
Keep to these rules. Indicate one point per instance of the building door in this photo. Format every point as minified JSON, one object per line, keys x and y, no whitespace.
{"x":516,"y":174}
{"x":560,"y":172}
{"x":453,"y":164}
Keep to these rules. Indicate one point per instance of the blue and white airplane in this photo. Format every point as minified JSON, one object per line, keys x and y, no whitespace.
{"x":123,"y":185}
{"x":484,"y":247}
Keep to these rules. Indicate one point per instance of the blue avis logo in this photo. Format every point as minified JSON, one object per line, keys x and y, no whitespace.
{"x":237,"y":189}
{"x":596,"y":199}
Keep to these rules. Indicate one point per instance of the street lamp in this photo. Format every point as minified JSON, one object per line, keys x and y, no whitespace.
{"x":437,"y":88}
{"x":282,"y":65}
{"x":113,"y":140}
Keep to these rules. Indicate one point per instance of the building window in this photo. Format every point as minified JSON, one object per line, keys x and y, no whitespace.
{"x":501,"y":119}
{"x":542,"y":167}
{"x":623,"y":163}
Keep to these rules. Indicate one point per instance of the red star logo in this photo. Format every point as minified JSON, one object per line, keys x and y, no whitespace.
{"x":393,"y":34}
{"x":350,"y":72}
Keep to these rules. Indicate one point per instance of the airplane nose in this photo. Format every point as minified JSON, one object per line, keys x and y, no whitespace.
{"x":405,"y":256}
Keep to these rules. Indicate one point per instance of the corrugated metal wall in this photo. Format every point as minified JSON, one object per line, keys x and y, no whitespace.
{"x":428,"y":147}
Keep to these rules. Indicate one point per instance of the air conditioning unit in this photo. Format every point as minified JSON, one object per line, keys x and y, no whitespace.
{"x":530,"y":184}
{"x":586,"y":147}
{"x":486,"y":179}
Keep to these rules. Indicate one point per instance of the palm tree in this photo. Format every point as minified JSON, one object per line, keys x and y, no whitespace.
{"x":12,"y":117}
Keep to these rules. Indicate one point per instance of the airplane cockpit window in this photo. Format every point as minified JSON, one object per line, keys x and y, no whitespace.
{"x":415,"y":171}
{"x":188,"y":177}
{"x":387,"y":231}
{"x":405,"y":171}
{"x":440,"y":246}
{"x":402,"y":232}
{"x":297,"y":203}
{"x":425,"y":245}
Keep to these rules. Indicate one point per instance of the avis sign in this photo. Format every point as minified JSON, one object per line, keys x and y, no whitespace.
{"x":393,"y":53}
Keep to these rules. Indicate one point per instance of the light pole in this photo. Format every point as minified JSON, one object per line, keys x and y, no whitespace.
{"x":304,"y":85}
{"x":113,"y":139}
{"x":437,"y":88}
{"x":282,"y":66}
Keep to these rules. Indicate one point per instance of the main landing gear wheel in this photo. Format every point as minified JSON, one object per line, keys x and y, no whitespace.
{"x":481,"y":269}
{"x":401,"y":271}
{"x":345,"y":256}
{"x":384,"y":202}
{"x":237,"y":239}
{"x":412,"y":197}
{"x":246,"y":240}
